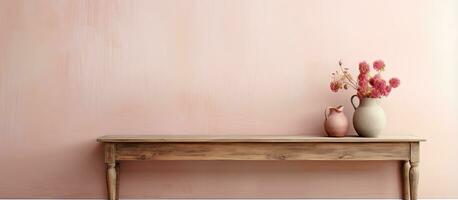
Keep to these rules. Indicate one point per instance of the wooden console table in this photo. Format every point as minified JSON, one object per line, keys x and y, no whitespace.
{"x":156,"y":147}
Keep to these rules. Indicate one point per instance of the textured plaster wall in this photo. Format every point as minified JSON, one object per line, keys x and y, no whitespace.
{"x":71,"y":71}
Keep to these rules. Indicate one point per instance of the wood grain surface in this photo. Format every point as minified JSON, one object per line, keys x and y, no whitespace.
{"x":250,"y":138}
{"x":263,"y":148}
{"x":263,"y":151}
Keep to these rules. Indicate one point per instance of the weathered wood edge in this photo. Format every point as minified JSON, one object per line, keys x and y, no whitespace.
{"x":415,"y":151}
{"x":247,"y":138}
{"x":110,"y":153}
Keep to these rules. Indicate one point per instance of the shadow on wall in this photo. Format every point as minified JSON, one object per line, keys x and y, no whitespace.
{"x":257,"y":179}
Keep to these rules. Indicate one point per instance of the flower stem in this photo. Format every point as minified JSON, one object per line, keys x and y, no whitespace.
{"x":351,"y":81}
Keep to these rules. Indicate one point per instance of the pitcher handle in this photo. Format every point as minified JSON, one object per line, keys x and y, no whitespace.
{"x":326,"y":112}
{"x":353,"y":103}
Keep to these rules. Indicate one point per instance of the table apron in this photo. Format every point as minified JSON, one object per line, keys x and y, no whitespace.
{"x":262,"y":151}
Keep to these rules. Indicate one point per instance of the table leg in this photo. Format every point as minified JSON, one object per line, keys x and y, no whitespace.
{"x":413,"y":179}
{"x":405,"y":179}
{"x":111,"y":181}
{"x":117,"y":180}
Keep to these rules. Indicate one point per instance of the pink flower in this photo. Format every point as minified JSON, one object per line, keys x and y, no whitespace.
{"x":380,"y":84}
{"x":362,"y":80}
{"x":364,"y":67}
{"x":387,"y":90}
{"x":362,"y":92}
{"x":394,"y":82}
{"x":379,"y":88}
{"x":375,"y":93}
{"x":376,"y":77}
{"x":362,"y":77}
{"x":360,"y":95}
{"x":366,"y":85}
{"x":379,"y":65}
{"x":363,"y":84}
{"x":335,"y":86}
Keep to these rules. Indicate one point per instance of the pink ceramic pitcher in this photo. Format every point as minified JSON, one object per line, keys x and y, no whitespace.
{"x":336,"y":123}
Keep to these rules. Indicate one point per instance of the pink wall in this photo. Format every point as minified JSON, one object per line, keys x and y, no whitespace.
{"x":71,"y":71}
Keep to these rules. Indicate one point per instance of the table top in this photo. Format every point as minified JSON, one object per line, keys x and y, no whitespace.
{"x":250,"y":138}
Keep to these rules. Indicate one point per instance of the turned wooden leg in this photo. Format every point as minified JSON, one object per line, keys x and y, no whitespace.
{"x":405,"y":179}
{"x":117,"y":180}
{"x":413,"y":179}
{"x":111,"y":181}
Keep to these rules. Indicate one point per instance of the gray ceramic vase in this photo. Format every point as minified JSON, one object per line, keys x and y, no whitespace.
{"x":369,"y":118}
